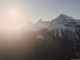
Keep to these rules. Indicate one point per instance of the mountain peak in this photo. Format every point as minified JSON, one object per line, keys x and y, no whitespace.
{"x":65,"y":17}
{"x":40,"y":20}
{"x":62,"y":15}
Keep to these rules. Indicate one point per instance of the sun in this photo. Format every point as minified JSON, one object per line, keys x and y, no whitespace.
{"x":14,"y":13}
{"x":13,"y":18}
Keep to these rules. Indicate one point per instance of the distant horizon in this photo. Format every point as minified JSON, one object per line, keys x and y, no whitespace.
{"x":45,"y":9}
{"x":54,"y":18}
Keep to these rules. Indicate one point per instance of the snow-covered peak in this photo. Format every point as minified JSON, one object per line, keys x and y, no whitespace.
{"x":63,"y":17}
{"x":40,"y":21}
{"x":62,"y":22}
{"x":43,"y":24}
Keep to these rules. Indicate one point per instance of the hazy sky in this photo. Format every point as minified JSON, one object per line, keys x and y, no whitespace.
{"x":47,"y":9}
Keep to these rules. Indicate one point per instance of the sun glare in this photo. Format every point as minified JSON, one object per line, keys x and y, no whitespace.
{"x":13,"y":17}
{"x":13,"y":13}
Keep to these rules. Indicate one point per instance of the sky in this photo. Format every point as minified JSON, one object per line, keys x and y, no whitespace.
{"x":46,"y":9}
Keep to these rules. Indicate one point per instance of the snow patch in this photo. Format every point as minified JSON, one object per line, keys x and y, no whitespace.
{"x":40,"y":37}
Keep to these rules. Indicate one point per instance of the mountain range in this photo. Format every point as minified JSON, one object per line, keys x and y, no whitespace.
{"x":62,"y":22}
